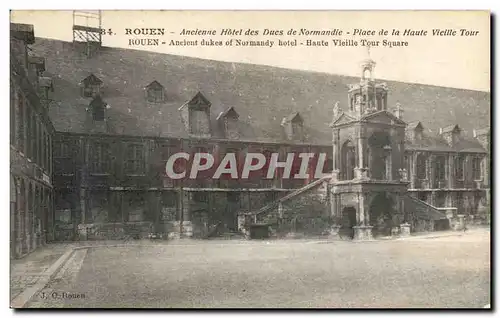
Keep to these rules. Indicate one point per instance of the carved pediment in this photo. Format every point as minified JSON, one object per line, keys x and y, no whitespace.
{"x":383,"y":117}
{"x":343,"y":119}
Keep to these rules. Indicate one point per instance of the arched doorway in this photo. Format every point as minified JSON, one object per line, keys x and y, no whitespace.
{"x":379,"y":156}
{"x":348,"y":160}
{"x":347,"y":222}
{"x":381,"y":212}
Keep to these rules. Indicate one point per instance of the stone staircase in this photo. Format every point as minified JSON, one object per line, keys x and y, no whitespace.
{"x":303,"y":212}
{"x":424,"y":216}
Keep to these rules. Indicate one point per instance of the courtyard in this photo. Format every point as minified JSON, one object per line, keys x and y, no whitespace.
{"x":442,"y":272}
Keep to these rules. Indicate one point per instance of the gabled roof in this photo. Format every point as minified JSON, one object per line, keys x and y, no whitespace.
{"x":414,"y":125}
{"x":38,"y":61}
{"x":46,"y":82}
{"x":451,"y":128}
{"x":91,"y":79}
{"x":229,"y":112}
{"x":293,"y":118}
{"x":383,"y":113}
{"x":197,"y":100}
{"x":482,"y":131}
{"x":263,"y":95}
{"x":154,"y":85}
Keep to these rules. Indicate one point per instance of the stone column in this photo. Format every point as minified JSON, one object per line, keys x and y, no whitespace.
{"x":413,"y":170}
{"x":431,"y":174}
{"x":336,"y":155}
{"x":451,"y":171}
{"x":405,"y":229}
{"x":360,"y":172}
{"x":186,"y":228}
{"x":460,"y":224}
{"x":362,"y":231}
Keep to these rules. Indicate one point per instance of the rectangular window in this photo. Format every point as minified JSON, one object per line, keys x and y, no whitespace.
{"x":136,"y":207}
{"x":200,"y":197}
{"x":168,"y":206}
{"x":91,"y":90}
{"x":476,"y":168}
{"x":21,"y":121}
{"x":100,"y":158}
{"x":421,"y":166}
{"x":135,"y":159}
{"x":459,"y":167}
{"x":98,"y":113}
{"x":233,"y":197}
{"x":440,"y":168}
{"x":63,"y":158}
{"x":155,"y":95}
{"x":199,"y":122}
{"x":297,"y":130}
{"x":169,"y":199}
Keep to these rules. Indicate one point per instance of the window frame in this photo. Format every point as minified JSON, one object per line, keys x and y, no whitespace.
{"x":138,"y":162}
{"x":100,"y":158}
{"x":477,"y":168}
{"x":155,"y":95}
{"x":460,"y":167}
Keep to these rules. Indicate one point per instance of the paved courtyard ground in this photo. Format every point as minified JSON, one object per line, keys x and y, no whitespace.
{"x":447,"y":272}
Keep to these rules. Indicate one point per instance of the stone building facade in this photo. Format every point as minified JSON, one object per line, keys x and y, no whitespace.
{"x":31,"y":133}
{"x":120,"y":114}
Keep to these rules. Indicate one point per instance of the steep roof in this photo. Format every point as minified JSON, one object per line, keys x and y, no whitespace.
{"x":261,"y":95}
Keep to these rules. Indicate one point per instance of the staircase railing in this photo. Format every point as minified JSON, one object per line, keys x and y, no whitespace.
{"x":427,"y":205}
{"x":287,"y":197}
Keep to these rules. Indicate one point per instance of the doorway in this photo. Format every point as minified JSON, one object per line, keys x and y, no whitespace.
{"x":348,"y":221}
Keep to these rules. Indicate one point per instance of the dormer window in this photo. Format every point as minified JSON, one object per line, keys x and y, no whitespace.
{"x":91,"y":86}
{"x":294,"y":126}
{"x":451,"y":134}
{"x":229,"y":119}
{"x":196,"y":116}
{"x":155,"y":92}
{"x":97,"y":106}
{"x":46,"y":87}
{"x":38,"y":64}
{"x":415,"y":131}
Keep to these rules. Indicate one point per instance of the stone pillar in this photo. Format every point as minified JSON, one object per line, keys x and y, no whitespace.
{"x":361,"y":209}
{"x":460,"y":224}
{"x":82,"y":228}
{"x":431,"y":174}
{"x":413,"y":170}
{"x":451,"y":171}
{"x":334,"y":232}
{"x":360,"y":172}
{"x":186,"y":226}
{"x":405,"y":229}
{"x":362,"y":233}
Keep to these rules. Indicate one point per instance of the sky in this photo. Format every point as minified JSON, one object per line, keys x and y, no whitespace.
{"x":452,"y":61}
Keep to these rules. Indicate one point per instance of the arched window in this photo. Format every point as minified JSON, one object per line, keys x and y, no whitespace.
{"x":348,"y":161}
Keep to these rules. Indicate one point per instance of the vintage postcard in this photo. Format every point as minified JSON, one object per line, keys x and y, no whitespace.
{"x":250,"y":159}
